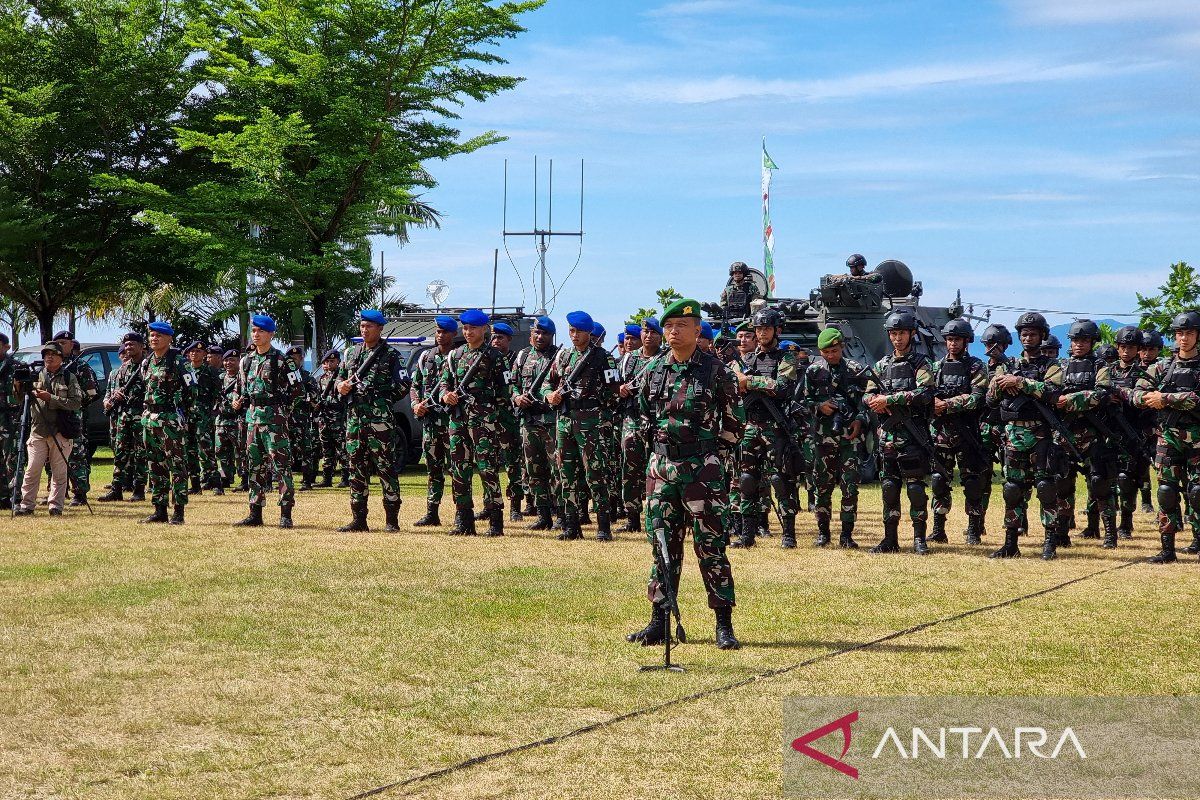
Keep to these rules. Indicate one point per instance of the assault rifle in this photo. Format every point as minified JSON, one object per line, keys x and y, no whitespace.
{"x":670,"y":602}
{"x":458,"y":412}
{"x":530,"y":394}
{"x":1058,"y":426}
{"x":967,"y":434}
{"x":570,"y":391}
{"x":919,"y":437}
{"x":359,"y":375}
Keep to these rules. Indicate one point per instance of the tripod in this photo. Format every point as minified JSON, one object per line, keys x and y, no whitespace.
{"x":26,"y":407}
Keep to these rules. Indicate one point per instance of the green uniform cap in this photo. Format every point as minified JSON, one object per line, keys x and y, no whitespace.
{"x":681,"y":308}
{"x":744,"y":325}
{"x":829,"y":336}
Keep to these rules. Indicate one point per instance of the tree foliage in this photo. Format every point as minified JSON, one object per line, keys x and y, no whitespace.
{"x":1181,"y":292}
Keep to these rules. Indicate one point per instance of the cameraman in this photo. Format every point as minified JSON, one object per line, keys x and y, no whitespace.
{"x":55,"y":397}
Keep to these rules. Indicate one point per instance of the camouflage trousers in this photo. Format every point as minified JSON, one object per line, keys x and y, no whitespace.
{"x":541,"y":480}
{"x":835,"y":462}
{"x":992,"y":436}
{"x":9,"y":421}
{"x":331,"y":436}
{"x":369,"y":449}
{"x":1130,"y":467}
{"x":611,"y":453}
{"x":514,"y":462}
{"x":129,"y":462}
{"x":760,"y":462}
{"x":905,"y":464}
{"x":163,"y":436}
{"x":230,"y":452}
{"x":580,"y":459}
{"x":1028,"y":462}
{"x":202,"y":449}
{"x":79,"y":462}
{"x":1101,"y":474}
{"x":306,"y":447}
{"x":683,"y":495}
{"x":435,"y":447}
{"x":1177,"y":463}
{"x":971,"y":475}
{"x":635,"y":452}
{"x":475,"y":446}
{"x":269,"y":459}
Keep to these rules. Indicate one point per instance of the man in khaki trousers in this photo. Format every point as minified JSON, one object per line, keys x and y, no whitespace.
{"x":53,"y":391}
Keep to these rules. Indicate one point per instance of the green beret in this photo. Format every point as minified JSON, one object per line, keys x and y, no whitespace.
{"x":829,"y":336}
{"x":681,"y":308}
{"x":744,"y":325}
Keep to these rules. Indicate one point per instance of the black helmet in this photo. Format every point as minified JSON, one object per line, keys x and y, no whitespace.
{"x":1129,"y":334}
{"x":738,"y":266}
{"x":958,"y":327}
{"x":1152,"y":338}
{"x":1187,"y":321}
{"x":996,"y":334}
{"x":767,"y":316}
{"x":1084,"y":329}
{"x":1051,"y":342}
{"x":901,"y":319}
{"x":1032,"y":319}
{"x":1106,"y":352}
{"x":856,"y":260}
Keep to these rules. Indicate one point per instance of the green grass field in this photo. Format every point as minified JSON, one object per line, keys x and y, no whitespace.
{"x":210,"y":662}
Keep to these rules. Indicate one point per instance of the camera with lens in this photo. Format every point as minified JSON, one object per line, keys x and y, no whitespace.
{"x":25,"y":374}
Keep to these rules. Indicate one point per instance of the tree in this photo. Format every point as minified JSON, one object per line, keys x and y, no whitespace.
{"x":668,"y":296}
{"x":1180,"y":293}
{"x":89,"y":87}
{"x":319,"y":122}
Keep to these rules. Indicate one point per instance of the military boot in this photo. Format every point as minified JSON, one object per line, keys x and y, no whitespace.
{"x":467,"y":515}
{"x":585,"y":517}
{"x":431,"y":517}
{"x":195,"y":487}
{"x":603,"y":532}
{"x":920,"y":543}
{"x":570,"y":524}
{"x":78,"y":500}
{"x":1193,"y":548}
{"x":5,"y":504}
{"x":1050,"y":545}
{"x":748,"y":532}
{"x":218,"y":490}
{"x":530,"y":507}
{"x":176,"y":516}
{"x":787,"y":535}
{"x":114,"y":495}
{"x":560,"y":519}
{"x":846,"y":539}
{"x":1125,"y":526}
{"x":326,"y":478}
{"x":725,"y":638}
{"x":391,"y":515}
{"x":823,"y":535}
{"x":285,"y":515}
{"x":358,"y":518}
{"x":1009,"y":549}
{"x":1147,"y":506}
{"x":890,"y":543}
{"x":1092,"y":531}
{"x":1061,"y":537}
{"x":456,"y":527}
{"x":253,"y":520}
{"x":974,"y":529}
{"x":482,"y":515}
{"x":633,"y":522}
{"x":543,"y":521}
{"x":1110,"y":531}
{"x":306,"y":484}
{"x":344,"y":483}
{"x":764,"y":524}
{"x":139,"y":494}
{"x":939,"y":534}
{"x":495,"y":522}
{"x":514,"y":514}
{"x":159,"y":515}
{"x":652,"y":634}
{"x":1167,"y":554}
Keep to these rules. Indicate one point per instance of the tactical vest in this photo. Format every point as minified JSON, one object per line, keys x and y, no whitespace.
{"x":1079,"y":374}
{"x":1180,"y":376}
{"x":1018,"y":407}
{"x":271,"y":372}
{"x":763,"y":364}
{"x":738,"y":300}
{"x":954,"y":377}
{"x":429,"y":376}
{"x":900,"y":375}
{"x":703,"y":375}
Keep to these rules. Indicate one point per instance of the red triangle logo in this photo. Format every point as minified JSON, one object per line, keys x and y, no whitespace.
{"x":801,"y":745}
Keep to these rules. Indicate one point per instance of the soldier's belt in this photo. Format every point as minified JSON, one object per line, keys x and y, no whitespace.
{"x":1026,"y":423}
{"x":157,"y":408}
{"x":268,"y":403}
{"x":583,"y":404}
{"x":679,"y":450}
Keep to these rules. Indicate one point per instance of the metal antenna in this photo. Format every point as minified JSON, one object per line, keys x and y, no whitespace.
{"x":543,"y":235}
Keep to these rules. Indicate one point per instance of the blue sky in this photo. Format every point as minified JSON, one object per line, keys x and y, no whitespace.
{"x":1029,"y":153}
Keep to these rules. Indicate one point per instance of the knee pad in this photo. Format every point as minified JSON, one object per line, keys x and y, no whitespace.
{"x":1013,"y":493}
{"x":1047,"y":493}
{"x":940,"y":485}
{"x":1099,"y":485}
{"x":891,"y":490}
{"x":1168,"y":496}
{"x":1194,"y":496}
{"x":916,"y":493}
{"x":748,"y":485}
{"x":973,"y":487}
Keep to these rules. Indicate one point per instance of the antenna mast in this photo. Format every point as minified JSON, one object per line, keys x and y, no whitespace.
{"x":543,"y":235}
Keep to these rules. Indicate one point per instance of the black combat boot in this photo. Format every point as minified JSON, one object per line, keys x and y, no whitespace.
{"x":787,"y":539}
{"x":1110,"y":531}
{"x":603,"y":531}
{"x":1193,"y":548}
{"x":253,"y":520}
{"x":1050,"y":545}
{"x":482,"y":515}
{"x":1147,"y":506}
{"x":974,"y":529}
{"x":560,"y":518}
{"x":285,"y":515}
{"x":466,"y":515}
{"x":890,"y":543}
{"x":652,"y":634}
{"x":939,"y":529}
{"x":326,"y":478}
{"x":725,"y":638}
{"x":1009,"y":549}
{"x":530,"y":507}
{"x":495,"y":522}
{"x":78,"y":500}
{"x":219,"y":489}
{"x":306,"y":483}
{"x":823,"y":535}
{"x":431,"y":517}
{"x":114,"y":495}
{"x":764,"y":524}
{"x":1061,"y":537}
{"x":1125,"y":526}
{"x":456,"y":527}
{"x":176,"y":516}
{"x":544,"y":521}
{"x":571,"y":528}
{"x":920,"y":543}
{"x":358,"y":518}
{"x":344,"y":483}
{"x":1167,"y":554}
{"x":585,"y":517}
{"x":1092,"y":531}
{"x":633,"y":522}
{"x":139,"y":494}
{"x":195,"y":487}
{"x":5,"y":504}
{"x":391,"y":515}
{"x":846,"y":539}
{"x":748,"y":532}
{"x":514,"y":514}
{"x":159,"y":515}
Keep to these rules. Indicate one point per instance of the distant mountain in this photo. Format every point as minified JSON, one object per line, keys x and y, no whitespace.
{"x":976,"y":348}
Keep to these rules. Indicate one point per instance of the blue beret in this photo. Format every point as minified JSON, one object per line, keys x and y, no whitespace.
{"x":706,"y":331}
{"x":580,"y":321}
{"x":332,"y":354}
{"x":473,"y":316}
{"x":504,"y":328}
{"x":162,"y":327}
{"x":215,"y":350}
{"x":634,"y":331}
{"x":193,"y":346}
{"x":230,"y":354}
{"x":544,"y":323}
{"x":293,"y":350}
{"x":788,"y":344}
{"x":620,"y":338}
{"x":652,"y":324}
{"x":446,"y":322}
{"x":63,"y":335}
{"x":598,"y":330}
{"x":372,"y":315}
{"x":264,"y":322}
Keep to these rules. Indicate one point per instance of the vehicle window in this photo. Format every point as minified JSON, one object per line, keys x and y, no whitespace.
{"x":96,"y":361}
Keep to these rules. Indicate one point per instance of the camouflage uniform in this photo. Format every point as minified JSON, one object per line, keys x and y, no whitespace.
{"x":1028,"y":457}
{"x":475,"y":428}
{"x":79,"y":462}
{"x":1086,"y":388}
{"x":835,"y":458}
{"x":962,"y":384}
{"x":905,"y":381}
{"x":129,"y":463}
{"x":331,"y":427}
{"x":510,"y":441}
{"x":371,"y":424}
{"x":201,"y":427}
{"x":269,"y":383}
{"x":167,"y":394}
{"x":537,"y":434}
{"x":991,"y":434}
{"x":302,"y":429}
{"x":435,"y":425}
{"x":737,"y":299}
{"x":635,"y":438}
{"x":577,"y":432}
{"x":1129,"y":460}
{"x":10,"y":420}
{"x":231,"y":442}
